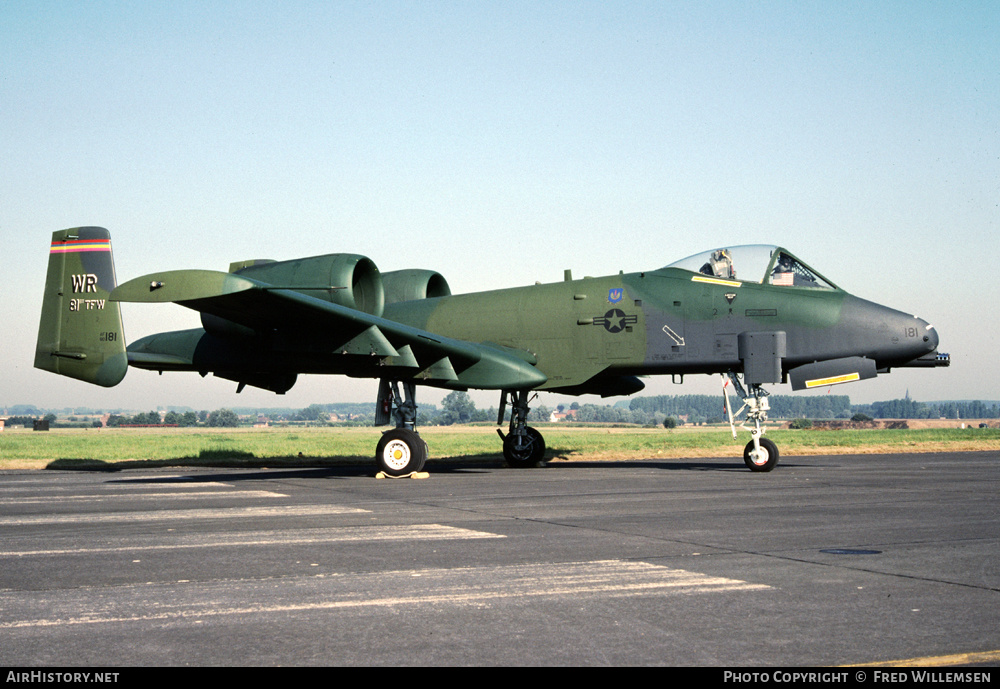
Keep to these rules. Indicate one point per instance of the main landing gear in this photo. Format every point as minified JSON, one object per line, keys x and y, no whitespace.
{"x":760,"y":454}
{"x":401,"y":450}
{"x":523,"y":446}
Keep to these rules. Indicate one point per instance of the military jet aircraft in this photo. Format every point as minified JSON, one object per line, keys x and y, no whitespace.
{"x":754,"y":314}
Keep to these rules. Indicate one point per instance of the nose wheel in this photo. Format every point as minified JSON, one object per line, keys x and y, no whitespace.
{"x":760,"y":454}
{"x":762,"y":458}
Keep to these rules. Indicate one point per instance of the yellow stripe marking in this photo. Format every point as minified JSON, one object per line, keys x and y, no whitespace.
{"x":833,"y":380}
{"x":716,"y":281}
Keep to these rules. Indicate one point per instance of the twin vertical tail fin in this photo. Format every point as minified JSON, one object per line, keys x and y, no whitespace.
{"x":80,"y":334}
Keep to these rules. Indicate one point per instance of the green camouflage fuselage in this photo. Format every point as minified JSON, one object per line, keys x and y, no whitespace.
{"x":669,"y":321}
{"x":265,"y":322}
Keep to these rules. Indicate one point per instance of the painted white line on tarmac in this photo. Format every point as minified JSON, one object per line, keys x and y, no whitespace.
{"x":164,"y":482}
{"x":268,"y":538}
{"x":342,"y":591}
{"x":184,"y":495}
{"x":177,"y":515}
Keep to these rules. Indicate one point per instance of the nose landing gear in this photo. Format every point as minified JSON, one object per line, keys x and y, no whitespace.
{"x":760,"y":454}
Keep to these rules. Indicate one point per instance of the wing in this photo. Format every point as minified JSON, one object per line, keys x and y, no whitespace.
{"x":258,"y":327}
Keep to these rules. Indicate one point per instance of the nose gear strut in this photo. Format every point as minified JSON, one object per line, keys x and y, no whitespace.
{"x":760,"y":454}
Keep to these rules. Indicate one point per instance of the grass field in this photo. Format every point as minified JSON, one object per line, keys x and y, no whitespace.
{"x":126,"y":448}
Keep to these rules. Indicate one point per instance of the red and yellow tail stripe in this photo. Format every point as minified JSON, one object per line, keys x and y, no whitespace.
{"x":74,"y":245}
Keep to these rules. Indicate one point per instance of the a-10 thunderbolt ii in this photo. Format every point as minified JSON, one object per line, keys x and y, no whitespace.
{"x":755,"y":314}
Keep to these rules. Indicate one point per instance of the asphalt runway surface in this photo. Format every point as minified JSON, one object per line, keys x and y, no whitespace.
{"x":828,"y":560}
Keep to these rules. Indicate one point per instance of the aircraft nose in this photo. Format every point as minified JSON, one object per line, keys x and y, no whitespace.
{"x":919,"y":337}
{"x":918,"y":342}
{"x":930,"y":336}
{"x":925,"y":348}
{"x":891,"y":337}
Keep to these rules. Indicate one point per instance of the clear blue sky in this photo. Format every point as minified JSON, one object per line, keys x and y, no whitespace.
{"x":500,"y":143}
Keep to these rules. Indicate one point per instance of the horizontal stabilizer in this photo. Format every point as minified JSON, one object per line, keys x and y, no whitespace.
{"x":158,"y":361}
{"x":181,"y":286}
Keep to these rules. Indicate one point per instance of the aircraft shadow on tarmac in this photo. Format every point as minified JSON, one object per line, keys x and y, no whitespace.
{"x":351,"y":467}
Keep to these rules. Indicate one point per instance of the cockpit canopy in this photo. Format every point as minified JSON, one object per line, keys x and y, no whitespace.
{"x":760,"y":263}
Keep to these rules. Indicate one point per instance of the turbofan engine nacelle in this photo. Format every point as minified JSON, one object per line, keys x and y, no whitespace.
{"x":414,"y":283}
{"x":349,"y":280}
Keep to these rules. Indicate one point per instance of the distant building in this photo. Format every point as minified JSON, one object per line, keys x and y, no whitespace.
{"x":567,"y":415}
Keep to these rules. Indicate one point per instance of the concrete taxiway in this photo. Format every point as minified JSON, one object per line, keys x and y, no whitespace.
{"x":828,"y":560}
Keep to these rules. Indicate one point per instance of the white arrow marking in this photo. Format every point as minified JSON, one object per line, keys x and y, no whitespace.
{"x":673,"y":336}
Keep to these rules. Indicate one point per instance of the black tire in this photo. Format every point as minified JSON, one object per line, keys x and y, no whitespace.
{"x":766,"y":460}
{"x":400,"y":452}
{"x":524,"y":451}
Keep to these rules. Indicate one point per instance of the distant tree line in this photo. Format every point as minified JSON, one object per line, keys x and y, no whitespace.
{"x":459,"y":408}
{"x":910,"y":409}
{"x":27,"y":420}
{"x":821,"y":407}
{"x":220,"y":418}
{"x":710,"y":408}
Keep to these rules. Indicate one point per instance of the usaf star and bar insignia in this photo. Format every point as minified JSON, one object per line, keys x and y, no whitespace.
{"x":616,"y":320}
